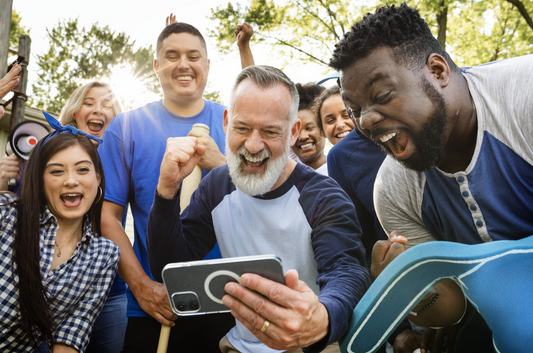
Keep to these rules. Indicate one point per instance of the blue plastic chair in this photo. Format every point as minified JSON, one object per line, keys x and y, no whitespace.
{"x":496,"y":277}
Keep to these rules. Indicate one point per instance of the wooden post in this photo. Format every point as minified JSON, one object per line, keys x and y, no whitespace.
{"x":6,"y":7}
{"x":187,"y":188}
{"x":19,"y":101}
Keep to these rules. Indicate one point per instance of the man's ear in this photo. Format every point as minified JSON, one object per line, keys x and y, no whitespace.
{"x":226,"y":121}
{"x":439,"y":69}
{"x":156,"y":67}
{"x":295,"y":131}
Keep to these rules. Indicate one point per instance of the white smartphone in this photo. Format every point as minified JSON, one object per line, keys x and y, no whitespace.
{"x":197,"y":287}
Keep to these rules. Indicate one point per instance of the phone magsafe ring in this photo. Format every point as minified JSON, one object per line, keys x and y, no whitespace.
{"x":216,"y":274}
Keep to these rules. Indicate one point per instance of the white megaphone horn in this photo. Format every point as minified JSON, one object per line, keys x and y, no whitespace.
{"x":23,"y":138}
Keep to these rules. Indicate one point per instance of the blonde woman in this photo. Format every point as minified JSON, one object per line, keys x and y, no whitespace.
{"x":91,"y":108}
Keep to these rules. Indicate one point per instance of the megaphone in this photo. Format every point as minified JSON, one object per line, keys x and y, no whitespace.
{"x":22,"y":139}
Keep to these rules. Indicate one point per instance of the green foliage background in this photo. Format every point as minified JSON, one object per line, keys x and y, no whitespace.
{"x":78,"y":55}
{"x":472,"y":31}
{"x":475,"y":31}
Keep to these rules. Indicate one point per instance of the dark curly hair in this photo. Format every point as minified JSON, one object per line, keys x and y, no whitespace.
{"x":308,"y":92}
{"x":399,"y":27}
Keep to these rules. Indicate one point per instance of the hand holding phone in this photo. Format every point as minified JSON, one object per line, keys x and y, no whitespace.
{"x":197,"y":287}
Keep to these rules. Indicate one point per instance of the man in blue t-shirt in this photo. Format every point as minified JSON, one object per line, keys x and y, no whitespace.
{"x":459,"y":142}
{"x":134,"y":145}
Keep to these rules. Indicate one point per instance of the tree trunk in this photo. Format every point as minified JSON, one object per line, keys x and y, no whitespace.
{"x":5,"y":28}
{"x":522,"y":9}
{"x":442,"y":19}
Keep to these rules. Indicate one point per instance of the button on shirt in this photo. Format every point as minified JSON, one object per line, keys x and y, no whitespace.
{"x":78,"y":288}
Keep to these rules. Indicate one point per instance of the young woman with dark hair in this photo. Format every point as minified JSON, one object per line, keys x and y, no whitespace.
{"x":55,"y":269}
{"x":333,"y":119}
{"x":90,"y":108}
{"x":309,"y":147}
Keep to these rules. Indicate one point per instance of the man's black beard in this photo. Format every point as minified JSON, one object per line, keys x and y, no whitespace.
{"x":430,"y":140}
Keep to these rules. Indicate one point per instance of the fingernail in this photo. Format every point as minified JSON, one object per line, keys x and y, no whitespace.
{"x":245,"y":279}
{"x":230,"y":288}
{"x":227,"y":300}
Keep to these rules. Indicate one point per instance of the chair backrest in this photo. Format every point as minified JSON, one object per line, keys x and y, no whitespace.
{"x":496,"y":277}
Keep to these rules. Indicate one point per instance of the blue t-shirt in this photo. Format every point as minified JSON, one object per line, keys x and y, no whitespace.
{"x":133,"y":148}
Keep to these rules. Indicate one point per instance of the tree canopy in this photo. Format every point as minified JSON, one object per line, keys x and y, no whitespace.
{"x":472,"y":31}
{"x":77,"y":55}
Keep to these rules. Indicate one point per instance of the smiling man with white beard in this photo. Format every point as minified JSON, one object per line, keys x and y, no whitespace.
{"x":262,"y":202}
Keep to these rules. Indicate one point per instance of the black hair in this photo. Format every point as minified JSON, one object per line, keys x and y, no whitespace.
{"x":399,"y":27}
{"x":308,"y":92}
{"x":176,"y":28}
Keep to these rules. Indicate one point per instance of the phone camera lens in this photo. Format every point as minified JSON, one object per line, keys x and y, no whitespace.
{"x":193,"y":305}
{"x":181,"y":306}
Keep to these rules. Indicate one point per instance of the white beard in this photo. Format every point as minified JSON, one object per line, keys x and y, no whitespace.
{"x":255,"y":183}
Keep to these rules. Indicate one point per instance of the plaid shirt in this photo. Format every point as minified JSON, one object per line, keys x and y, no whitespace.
{"x":78,"y":288}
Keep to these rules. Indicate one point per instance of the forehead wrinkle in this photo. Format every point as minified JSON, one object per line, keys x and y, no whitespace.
{"x":257,"y":94}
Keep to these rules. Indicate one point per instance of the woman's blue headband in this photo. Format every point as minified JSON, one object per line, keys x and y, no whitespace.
{"x":60,"y":129}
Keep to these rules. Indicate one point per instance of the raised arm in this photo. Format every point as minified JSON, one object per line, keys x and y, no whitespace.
{"x":8,"y":82}
{"x":243,"y":33}
{"x":168,"y":239}
{"x":170,"y":19}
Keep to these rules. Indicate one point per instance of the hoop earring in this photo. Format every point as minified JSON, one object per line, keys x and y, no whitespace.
{"x":101,"y":193}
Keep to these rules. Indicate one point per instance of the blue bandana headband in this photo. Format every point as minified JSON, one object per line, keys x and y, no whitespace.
{"x":60,"y":129}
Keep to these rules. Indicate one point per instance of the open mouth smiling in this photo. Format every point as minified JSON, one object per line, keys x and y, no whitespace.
{"x":254,"y":162}
{"x":95,"y":125}
{"x":71,"y":199}
{"x":342,"y":134}
{"x":184,"y":78}
{"x":396,"y":141}
{"x":306,"y":146}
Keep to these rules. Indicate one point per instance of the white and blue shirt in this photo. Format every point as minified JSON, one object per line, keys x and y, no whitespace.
{"x":309,"y":222}
{"x":493,"y":198}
